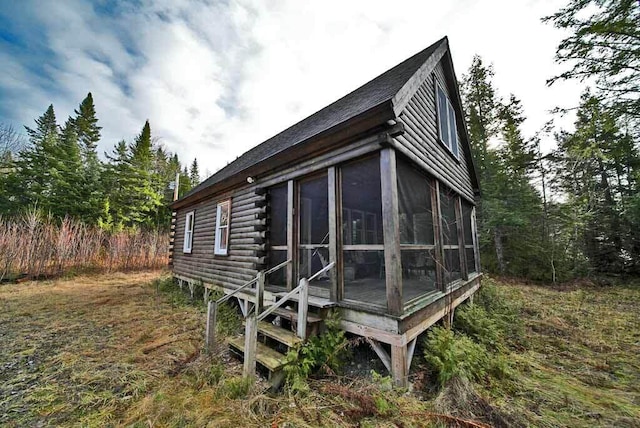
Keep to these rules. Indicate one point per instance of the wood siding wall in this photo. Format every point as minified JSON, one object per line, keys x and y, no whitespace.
{"x":245,"y":240}
{"x":248,"y":212}
{"x":421,"y":137}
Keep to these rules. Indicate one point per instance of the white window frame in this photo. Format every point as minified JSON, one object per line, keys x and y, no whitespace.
{"x":187,"y":245}
{"x":220,"y":229}
{"x":452,"y":138}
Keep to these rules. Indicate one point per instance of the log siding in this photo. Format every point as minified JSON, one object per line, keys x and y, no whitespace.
{"x":421,"y":137}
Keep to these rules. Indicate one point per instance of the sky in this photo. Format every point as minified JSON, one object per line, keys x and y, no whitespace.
{"x":215,"y":78}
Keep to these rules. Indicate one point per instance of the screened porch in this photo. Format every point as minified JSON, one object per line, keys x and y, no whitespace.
{"x":397,"y":235}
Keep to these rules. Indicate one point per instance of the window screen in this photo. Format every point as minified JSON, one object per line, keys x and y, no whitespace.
{"x":451,"y":246}
{"x":277,"y":226}
{"x":416,"y":231}
{"x":362,"y":239}
{"x":468,"y":227}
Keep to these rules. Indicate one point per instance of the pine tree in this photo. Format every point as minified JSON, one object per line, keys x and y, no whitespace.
{"x":35,"y":167}
{"x":67,"y":198}
{"x":117,"y":180}
{"x":597,"y":171}
{"x":194,"y":173}
{"x":145,"y":200}
{"x":604,"y":43}
{"x":88,"y":132}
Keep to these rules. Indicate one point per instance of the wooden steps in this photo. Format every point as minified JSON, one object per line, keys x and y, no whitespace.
{"x":278,"y":334}
{"x":269,"y":358}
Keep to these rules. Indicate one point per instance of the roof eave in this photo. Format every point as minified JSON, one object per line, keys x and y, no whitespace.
{"x":343,"y":133}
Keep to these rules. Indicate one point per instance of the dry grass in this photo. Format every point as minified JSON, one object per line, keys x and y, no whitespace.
{"x":581,"y":362}
{"x":35,"y":247}
{"x":110,"y":350}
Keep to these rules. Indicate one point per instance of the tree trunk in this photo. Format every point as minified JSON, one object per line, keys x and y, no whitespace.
{"x":497,"y":237}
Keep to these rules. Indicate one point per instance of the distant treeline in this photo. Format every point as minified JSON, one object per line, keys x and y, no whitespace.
{"x":35,"y":247}
{"x":573,"y":211}
{"x":57,"y":172}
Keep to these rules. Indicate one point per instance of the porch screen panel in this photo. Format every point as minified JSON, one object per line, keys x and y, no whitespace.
{"x":416,"y":231}
{"x":469,"y":248}
{"x":362,"y":239}
{"x":277,"y":224}
{"x":451,"y":246}
{"x":314,"y":228}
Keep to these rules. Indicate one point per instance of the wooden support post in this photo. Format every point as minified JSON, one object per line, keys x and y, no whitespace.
{"x":212,"y":310}
{"x":250,"y":345}
{"x":180,"y":283}
{"x":205,"y":294}
{"x":303,"y":307}
{"x":382,"y":353}
{"x":476,"y":246}
{"x":461,"y":252}
{"x":437,"y":229}
{"x":448,"y":317}
{"x":244,"y":304}
{"x":192,"y":287}
{"x":471,"y":298}
{"x":259,"y":302}
{"x":399,"y":369}
{"x":411,"y":347}
{"x":291,"y":250}
{"x":333,"y":232}
{"x":391,"y":231}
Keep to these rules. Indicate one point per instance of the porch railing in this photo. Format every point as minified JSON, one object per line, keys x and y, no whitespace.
{"x":251,"y":321}
{"x":212,"y":306}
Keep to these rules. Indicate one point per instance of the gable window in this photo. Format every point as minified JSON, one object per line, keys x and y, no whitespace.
{"x":188,"y":233}
{"x":222,"y":228}
{"x":447,"y":130}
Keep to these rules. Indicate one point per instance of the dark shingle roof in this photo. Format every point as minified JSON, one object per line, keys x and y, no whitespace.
{"x":379,"y":90}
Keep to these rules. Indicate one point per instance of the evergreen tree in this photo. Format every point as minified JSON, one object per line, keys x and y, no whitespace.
{"x":88,"y":132}
{"x":604,"y":44}
{"x":35,"y":166}
{"x":67,"y":198}
{"x":194,"y":173}
{"x":144,"y":198}
{"x":597,"y":171}
{"x":117,"y":180}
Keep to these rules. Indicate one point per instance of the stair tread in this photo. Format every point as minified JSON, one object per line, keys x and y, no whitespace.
{"x":280,"y":334}
{"x":293,"y":315}
{"x":270,"y":358}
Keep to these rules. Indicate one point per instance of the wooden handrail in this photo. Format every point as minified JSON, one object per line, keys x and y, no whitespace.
{"x":280,"y":266}
{"x":293,"y":292}
{"x":279,"y":303}
{"x":212,"y":307}
{"x":321,"y":271}
{"x":237,"y":290}
{"x":252,"y":319}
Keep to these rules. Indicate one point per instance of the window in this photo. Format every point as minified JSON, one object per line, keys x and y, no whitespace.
{"x":188,"y":233}
{"x":222,"y":228}
{"x":447,"y":130}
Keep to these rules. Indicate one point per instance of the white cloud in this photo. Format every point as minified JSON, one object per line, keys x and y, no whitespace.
{"x":215,"y":79}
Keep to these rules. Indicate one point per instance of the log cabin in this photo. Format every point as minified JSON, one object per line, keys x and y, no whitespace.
{"x":365,"y":208}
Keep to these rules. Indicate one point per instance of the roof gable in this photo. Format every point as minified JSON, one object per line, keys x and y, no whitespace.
{"x":389,"y":92}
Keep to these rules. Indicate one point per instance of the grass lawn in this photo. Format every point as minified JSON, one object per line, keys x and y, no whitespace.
{"x":113,"y":350}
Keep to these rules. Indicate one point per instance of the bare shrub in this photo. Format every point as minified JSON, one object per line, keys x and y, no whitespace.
{"x":32,"y":246}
